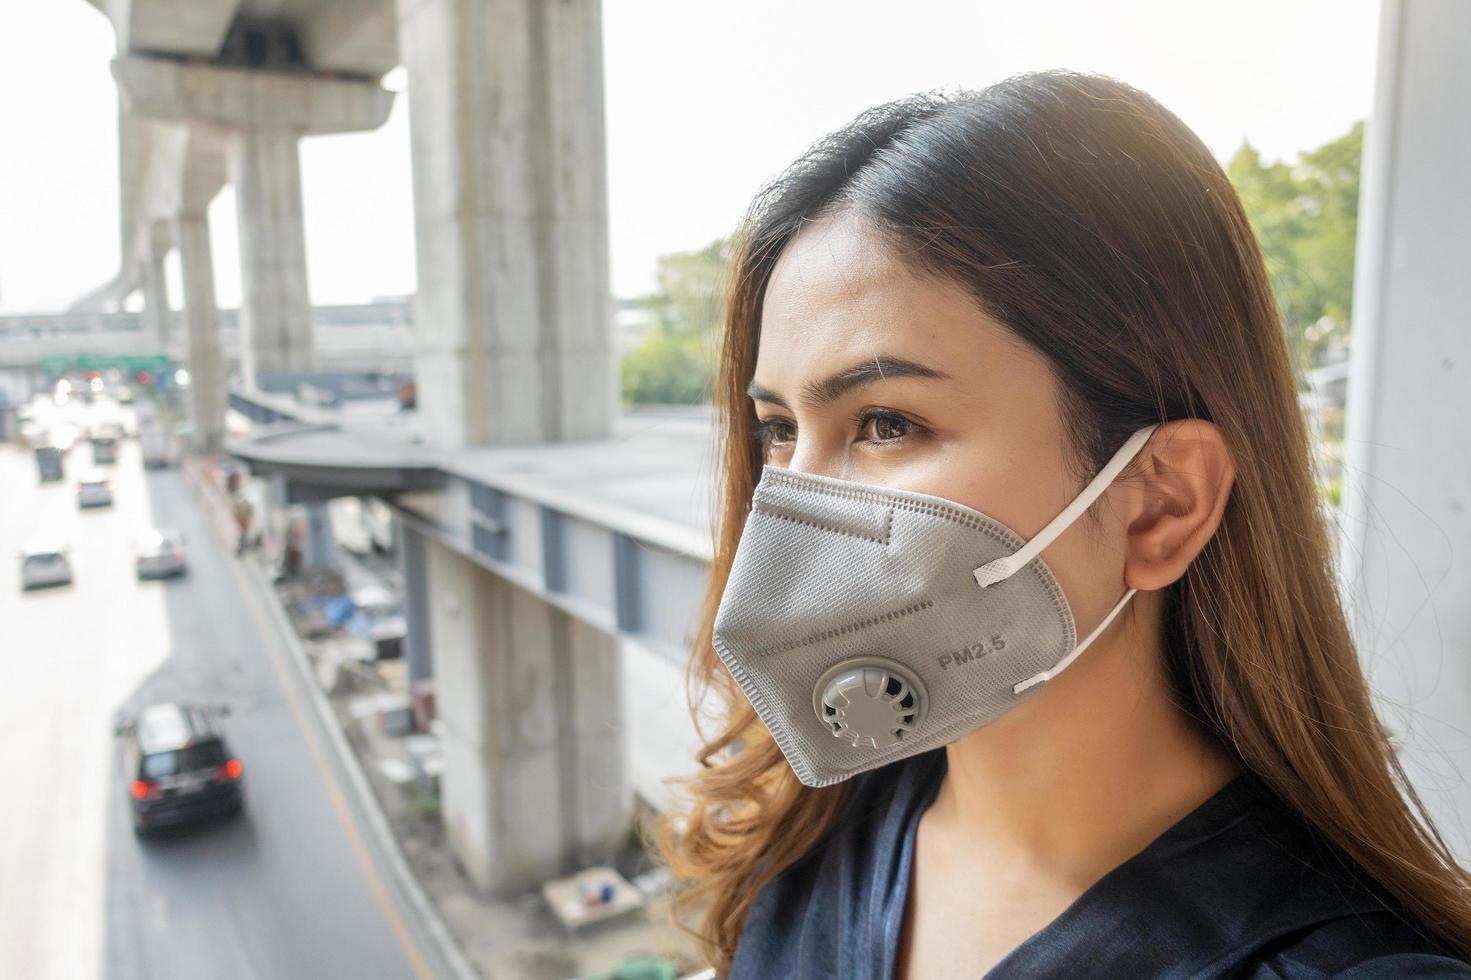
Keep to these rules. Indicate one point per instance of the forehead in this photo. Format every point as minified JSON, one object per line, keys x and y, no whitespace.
{"x":839,"y":294}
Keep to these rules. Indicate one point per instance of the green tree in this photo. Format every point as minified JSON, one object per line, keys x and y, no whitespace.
{"x":1306,"y":218}
{"x":674,"y":363}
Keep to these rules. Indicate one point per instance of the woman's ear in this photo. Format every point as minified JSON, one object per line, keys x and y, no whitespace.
{"x":1184,"y":479}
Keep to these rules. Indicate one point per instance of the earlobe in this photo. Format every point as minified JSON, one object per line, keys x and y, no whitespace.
{"x":1185,"y":479}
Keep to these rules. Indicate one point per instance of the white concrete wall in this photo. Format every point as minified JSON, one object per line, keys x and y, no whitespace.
{"x":1406,"y":554}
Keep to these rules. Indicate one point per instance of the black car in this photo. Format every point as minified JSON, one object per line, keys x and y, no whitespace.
{"x":179,"y":767}
{"x":48,"y":463}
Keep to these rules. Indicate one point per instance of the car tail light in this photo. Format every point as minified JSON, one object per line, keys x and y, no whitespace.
{"x":178,"y":554}
{"x":144,"y":788}
{"x":231,"y":769}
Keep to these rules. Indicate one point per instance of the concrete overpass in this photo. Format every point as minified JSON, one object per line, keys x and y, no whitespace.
{"x":512,"y":343}
{"x":367,"y":339}
{"x":370,"y":336}
{"x":221,"y":89}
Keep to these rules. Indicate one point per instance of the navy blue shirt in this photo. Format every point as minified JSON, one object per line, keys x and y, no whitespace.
{"x":1238,"y":888}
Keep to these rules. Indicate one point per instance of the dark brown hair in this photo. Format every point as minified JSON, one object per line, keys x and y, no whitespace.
{"x":1093,"y":223}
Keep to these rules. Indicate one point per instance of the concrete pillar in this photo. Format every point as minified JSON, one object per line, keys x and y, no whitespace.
{"x":510,"y":203}
{"x":596,"y":797}
{"x":320,"y":548}
{"x":275,"y":307}
{"x":263,"y":114}
{"x":205,"y":358}
{"x":273,"y":518}
{"x":414,"y":571}
{"x":1407,"y":479}
{"x":529,"y":701}
{"x":156,"y":313}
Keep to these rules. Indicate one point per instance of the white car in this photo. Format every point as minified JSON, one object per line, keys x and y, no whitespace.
{"x":94,"y":490}
{"x":160,"y":554}
{"x":44,"y":566}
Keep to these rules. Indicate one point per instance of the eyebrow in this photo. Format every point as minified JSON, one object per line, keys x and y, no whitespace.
{"x":819,"y":393}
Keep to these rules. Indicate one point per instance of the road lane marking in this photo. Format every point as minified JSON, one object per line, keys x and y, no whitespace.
{"x":334,"y":793}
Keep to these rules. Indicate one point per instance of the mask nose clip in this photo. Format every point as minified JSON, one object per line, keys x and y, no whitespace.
{"x":870,"y":702}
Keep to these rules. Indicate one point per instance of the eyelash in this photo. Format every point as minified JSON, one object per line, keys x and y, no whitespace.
{"x":764,"y":429}
{"x":763,"y":432}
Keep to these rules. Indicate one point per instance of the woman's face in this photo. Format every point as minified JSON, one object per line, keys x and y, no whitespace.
{"x":869,"y":372}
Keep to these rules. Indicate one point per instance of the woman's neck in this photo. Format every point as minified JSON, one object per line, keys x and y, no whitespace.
{"x":1088,"y":772}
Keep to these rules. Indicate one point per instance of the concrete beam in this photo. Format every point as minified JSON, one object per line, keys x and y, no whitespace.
{"x":358,"y":36}
{"x":194,"y":27}
{"x":240,"y":99}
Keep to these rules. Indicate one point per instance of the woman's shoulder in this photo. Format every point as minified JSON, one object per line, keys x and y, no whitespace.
{"x":1241,"y":888}
{"x":1380,"y":945}
{"x":1330,"y":919}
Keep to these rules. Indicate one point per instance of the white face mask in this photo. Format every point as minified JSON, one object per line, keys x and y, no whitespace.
{"x":867,"y":625}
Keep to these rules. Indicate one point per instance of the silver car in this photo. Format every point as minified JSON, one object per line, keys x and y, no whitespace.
{"x":43,"y":566}
{"x":94,"y":490}
{"x":159,"y":553}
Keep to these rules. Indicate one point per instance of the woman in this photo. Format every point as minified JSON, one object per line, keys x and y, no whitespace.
{"x":1022,"y":610}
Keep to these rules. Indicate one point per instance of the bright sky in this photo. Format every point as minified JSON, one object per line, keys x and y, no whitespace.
{"x":705,"y":101}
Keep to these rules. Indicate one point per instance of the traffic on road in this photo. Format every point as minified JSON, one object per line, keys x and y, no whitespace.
{"x":175,"y":810}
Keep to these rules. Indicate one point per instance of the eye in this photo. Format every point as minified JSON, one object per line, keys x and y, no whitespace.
{"x":775,"y":434}
{"x":884,"y":426}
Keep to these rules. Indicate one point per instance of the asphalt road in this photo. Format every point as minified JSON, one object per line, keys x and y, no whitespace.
{"x":296,"y":887}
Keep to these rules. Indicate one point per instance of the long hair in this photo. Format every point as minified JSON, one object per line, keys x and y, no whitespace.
{"x":1093,"y":223}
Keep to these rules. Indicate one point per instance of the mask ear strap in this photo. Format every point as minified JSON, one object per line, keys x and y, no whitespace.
{"x":1005,"y":567}
{"x":1062,"y":664}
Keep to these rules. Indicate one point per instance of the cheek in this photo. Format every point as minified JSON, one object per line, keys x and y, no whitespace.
{"x":1022,"y":486}
{"x":1090,"y":568}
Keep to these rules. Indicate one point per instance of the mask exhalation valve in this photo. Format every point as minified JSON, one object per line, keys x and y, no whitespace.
{"x":869,"y":701}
